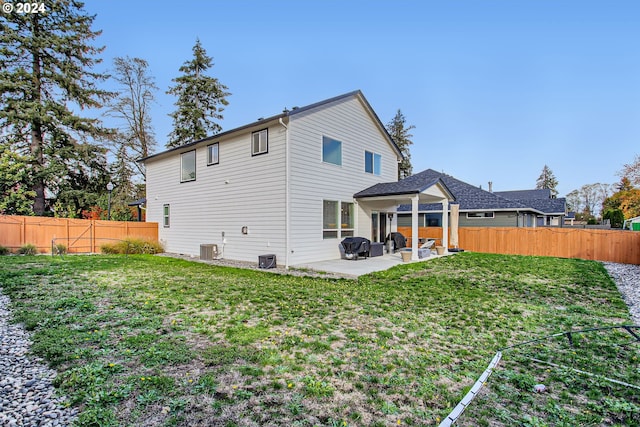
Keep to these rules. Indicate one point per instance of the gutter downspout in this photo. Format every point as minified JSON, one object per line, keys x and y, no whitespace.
{"x":287,"y":199}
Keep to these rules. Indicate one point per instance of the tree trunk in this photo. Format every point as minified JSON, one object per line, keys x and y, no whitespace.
{"x":36,"y":131}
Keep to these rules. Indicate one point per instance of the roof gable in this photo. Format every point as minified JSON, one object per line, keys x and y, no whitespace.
{"x":468,"y":196}
{"x":290,"y":113}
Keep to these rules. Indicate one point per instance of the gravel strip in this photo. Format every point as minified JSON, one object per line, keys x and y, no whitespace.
{"x":27,"y":397}
{"x":627,"y":278}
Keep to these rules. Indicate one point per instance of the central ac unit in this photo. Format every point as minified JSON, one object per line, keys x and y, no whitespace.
{"x":208,"y":251}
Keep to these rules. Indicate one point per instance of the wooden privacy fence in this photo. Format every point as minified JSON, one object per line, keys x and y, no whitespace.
{"x":600,"y":245}
{"x":78,"y":235}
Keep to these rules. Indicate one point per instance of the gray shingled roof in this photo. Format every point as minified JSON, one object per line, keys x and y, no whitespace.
{"x":410,"y":185}
{"x":473,"y":198}
{"x":539,"y":199}
{"x":468,"y":196}
{"x":543,"y":193}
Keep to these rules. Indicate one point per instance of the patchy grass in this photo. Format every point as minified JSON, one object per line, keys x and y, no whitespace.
{"x":146,"y":340}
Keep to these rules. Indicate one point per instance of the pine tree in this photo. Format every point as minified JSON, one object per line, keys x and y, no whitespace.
{"x":201,"y":100}
{"x":547,"y":180}
{"x":399,"y":132}
{"x":46,"y":63}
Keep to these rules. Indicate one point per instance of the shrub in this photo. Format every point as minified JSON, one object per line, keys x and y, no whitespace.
{"x":4,"y":250}
{"x":28,"y":249}
{"x":61,"y":249}
{"x":133,"y":246}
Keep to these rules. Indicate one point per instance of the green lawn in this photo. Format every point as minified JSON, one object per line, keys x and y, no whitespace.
{"x":145,"y":340}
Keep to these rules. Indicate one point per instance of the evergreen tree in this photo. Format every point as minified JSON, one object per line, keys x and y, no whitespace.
{"x":201,"y":100}
{"x":46,"y":63}
{"x":547,"y":180}
{"x":15,"y":196}
{"x":399,"y":132}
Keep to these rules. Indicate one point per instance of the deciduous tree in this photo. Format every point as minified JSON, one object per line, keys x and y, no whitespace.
{"x":632,"y":171}
{"x":132,"y":106}
{"x":201,"y":100}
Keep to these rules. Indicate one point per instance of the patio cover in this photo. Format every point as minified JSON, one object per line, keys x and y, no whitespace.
{"x":415,"y":190}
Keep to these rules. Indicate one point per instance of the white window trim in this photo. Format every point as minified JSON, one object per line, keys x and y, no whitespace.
{"x":266,"y":149}
{"x":338,"y":230}
{"x":195,"y":165}
{"x":373,"y":164}
{"x":166,"y":215}
{"x":322,"y":151}
{"x":493,"y":215}
{"x":217,"y":160}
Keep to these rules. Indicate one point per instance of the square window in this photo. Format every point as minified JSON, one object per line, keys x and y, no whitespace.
{"x":331,"y":151}
{"x":260,"y":142}
{"x":188,"y":166}
{"x":212,"y":154}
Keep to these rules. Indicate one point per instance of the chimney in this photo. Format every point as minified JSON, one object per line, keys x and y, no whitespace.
{"x":490,"y":187}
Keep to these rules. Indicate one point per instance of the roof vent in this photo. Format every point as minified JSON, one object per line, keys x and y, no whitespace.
{"x":260,"y":118}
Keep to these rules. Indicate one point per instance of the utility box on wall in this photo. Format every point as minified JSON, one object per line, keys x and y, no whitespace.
{"x":267,"y":261}
{"x":208,"y":252}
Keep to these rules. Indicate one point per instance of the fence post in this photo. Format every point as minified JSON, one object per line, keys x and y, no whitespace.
{"x":23,"y":234}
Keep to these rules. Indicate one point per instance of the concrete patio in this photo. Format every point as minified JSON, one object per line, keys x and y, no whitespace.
{"x":361,"y":266}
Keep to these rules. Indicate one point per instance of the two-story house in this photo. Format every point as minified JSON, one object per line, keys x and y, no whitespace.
{"x":282,"y":185}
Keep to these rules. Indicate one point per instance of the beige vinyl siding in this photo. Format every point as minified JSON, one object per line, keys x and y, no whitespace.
{"x":313,"y":181}
{"x":241,"y":190}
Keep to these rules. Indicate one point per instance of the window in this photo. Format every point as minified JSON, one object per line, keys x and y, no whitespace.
{"x":331,"y":151}
{"x":372,"y":162}
{"x":212,"y":154}
{"x":346,"y":219}
{"x":165,"y":216}
{"x":188,"y":166}
{"x":329,"y":219}
{"x":260,"y":142}
{"x":332,"y":211}
{"x":476,"y":215}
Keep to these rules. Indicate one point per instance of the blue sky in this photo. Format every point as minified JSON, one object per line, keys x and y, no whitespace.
{"x":496,"y":89}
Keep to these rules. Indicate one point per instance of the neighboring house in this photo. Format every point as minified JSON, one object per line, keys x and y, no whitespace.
{"x":282,"y":185}
{"x":552,"y":210}
{"x":480,"y":208}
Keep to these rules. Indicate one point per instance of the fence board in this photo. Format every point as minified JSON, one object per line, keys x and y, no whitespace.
{"x":79,"y":235}
{"x":593,"y":244}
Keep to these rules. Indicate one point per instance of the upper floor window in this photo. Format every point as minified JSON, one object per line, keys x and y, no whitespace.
{"x":188,"y":166}
{"x":260,"y":142}
{"x":212,"y":154}
{"x":331,"y":151}
{"x":372,"y":162}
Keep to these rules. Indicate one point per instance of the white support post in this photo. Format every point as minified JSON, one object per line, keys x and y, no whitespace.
{"x":445,"y":223}
{"x":414,"y":227}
